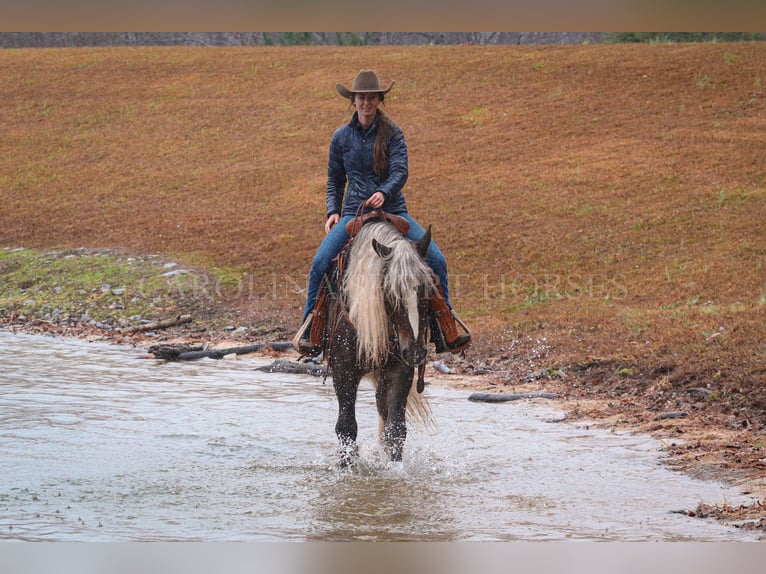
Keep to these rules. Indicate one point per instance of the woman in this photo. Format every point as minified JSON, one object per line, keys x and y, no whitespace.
{"x":370,"y":154}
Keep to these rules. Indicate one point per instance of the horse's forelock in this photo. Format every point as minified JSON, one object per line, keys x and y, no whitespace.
{"x":405,"y":269}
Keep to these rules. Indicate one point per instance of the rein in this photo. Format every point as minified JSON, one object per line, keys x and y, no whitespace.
{"x":421,"y":384}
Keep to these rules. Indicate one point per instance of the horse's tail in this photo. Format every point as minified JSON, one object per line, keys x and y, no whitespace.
{"x":418,"y":407}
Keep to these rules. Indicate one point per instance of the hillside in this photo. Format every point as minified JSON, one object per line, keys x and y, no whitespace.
{"x":601,"y":207}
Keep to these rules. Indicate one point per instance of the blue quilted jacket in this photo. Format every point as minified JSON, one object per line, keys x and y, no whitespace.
{"x":351,"y":160}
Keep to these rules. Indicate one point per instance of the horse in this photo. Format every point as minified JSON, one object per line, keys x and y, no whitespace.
{"x":378,"y":327}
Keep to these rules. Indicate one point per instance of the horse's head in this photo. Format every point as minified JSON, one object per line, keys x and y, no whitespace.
{"x":408,"y":286}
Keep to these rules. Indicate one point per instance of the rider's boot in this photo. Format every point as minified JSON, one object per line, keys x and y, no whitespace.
{"x":309,"y":340}
{"x":444,"y":333}
{"x":302,"y":340}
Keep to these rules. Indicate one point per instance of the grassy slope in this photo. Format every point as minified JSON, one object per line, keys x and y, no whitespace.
{"x":593,"y":201}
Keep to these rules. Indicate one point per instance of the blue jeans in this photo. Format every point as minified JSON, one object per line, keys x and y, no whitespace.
{"x":336,"y":239}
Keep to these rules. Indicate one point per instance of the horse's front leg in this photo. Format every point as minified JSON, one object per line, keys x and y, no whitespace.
{"x":391,"y":398}
{"x":346,"y":426}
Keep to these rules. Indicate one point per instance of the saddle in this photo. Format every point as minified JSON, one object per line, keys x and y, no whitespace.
{"x":355,"y":225}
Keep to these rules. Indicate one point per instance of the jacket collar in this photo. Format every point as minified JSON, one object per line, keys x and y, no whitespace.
{"x":356,"y":125}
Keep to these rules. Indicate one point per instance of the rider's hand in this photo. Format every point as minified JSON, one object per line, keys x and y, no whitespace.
{"x":376,"y":200}
{"x":331,"y":221}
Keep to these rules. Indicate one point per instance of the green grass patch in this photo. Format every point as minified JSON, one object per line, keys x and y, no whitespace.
{"x":476,"y":116}
{"x":101,"y":285}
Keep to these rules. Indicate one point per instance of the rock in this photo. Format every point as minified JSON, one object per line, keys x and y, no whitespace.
{"x":672,"y":415}
{"x":171,"y":352}
{"x":544,"y":374}
{"x":505,"y":397}
{"x":535,"y":376}
{"x":441,"y":367}
{"x":291,"y":367}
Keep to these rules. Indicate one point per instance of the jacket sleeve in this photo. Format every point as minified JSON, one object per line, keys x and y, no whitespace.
{"x":336,"y":176}
{"x":398,"y":169}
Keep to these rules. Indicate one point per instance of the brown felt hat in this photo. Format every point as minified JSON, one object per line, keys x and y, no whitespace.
{"x":366,"y":81}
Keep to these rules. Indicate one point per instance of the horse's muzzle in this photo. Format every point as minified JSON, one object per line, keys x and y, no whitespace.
{"x":414,"y":356}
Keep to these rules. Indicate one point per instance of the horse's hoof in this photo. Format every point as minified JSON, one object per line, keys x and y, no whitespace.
{"x":347,"y":464}
{"x":349,"y":454}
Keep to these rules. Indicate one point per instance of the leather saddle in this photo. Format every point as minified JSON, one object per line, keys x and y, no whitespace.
{"x":354,"y":225}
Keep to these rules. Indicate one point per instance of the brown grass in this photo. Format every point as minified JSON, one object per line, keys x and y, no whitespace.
{"x":596,"y":203}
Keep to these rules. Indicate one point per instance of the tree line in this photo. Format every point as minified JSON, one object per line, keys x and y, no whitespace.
{"x":78,"y":39}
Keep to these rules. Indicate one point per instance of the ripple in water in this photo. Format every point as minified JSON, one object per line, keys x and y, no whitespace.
{"x":99,"y":444}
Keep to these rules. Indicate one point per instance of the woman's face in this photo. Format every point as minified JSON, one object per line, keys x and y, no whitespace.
{"x":366,"y":106}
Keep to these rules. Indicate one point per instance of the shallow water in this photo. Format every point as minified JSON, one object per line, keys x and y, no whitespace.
{"x":99,"y":444}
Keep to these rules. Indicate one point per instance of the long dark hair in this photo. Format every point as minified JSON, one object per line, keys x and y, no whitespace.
{"x":380,"y":149}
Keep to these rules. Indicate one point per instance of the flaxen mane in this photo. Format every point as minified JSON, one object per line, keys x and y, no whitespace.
{"x":369,"y":278}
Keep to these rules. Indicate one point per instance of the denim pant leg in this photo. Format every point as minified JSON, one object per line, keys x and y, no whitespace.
{"x":434,"y":257}
{"x":331,"y":245}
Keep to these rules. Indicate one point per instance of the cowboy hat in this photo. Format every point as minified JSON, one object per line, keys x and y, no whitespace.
{"x":366,"y":81}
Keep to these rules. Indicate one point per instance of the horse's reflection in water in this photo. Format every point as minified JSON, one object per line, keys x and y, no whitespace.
{"x":378,"y":327}
{"x":381,"y":502}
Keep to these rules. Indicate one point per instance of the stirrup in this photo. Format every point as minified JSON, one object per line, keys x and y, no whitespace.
{"x":459,"y":322}
{"x":458,"y":344}
{"x":299,"y":335}
{"x":308,"y":349}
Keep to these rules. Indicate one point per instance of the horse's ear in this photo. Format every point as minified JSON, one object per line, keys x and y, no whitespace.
{"x":424,"y":242}
{"x":382,"y":250}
